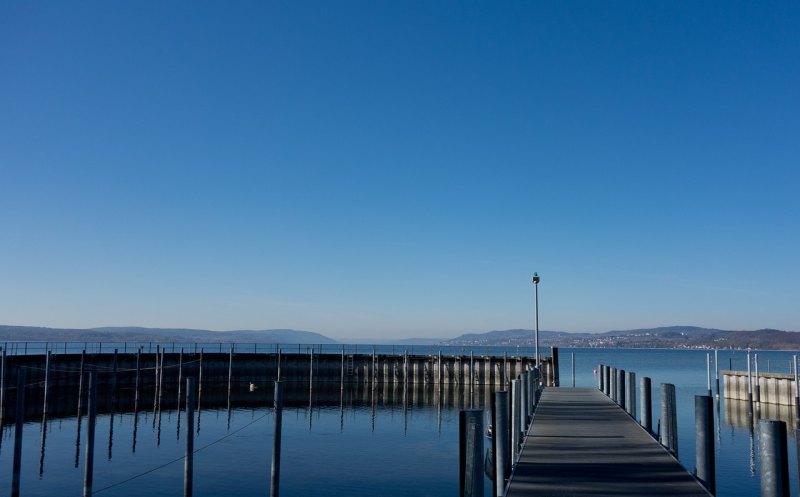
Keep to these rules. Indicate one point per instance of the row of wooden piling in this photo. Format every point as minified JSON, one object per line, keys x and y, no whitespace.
{"x":510,"y":418}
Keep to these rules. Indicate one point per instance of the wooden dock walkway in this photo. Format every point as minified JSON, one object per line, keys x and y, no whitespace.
{"x":582,"y":443}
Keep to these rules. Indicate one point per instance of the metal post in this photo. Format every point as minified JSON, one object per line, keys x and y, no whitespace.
{"x":515,"y":421}
{"x":573,"y":369}
{"x":19,"y":421}
{"x":556,"y":379}
{"x":46,"y":381}
{"x":749,"y":381}
{"x":631,"y":396}
{"x":188,"y":464}
{"x":89,"y":462}
{"x":600,"y":377}
{"x":536,"y":314}
{"x":502,"y":461}
{"x":773,"y":453}
{"x":114,"y":382}
{"x":275,"y":475}
{"x":471,"y":453}
{"x":704,"y":443}
{"x":716,"y":369}
{"x":621,"y":388}
{"x":2,"y":386}
{"x":758,"y":380}
{"x":607,"y":380}
{"x":614,"y":384}
{"x":646,"y":408}
{"x":669,"y":423}
{"x":523,"y":396}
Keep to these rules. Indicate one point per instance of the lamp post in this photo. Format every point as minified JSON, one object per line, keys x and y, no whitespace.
{"x":536,"y":306}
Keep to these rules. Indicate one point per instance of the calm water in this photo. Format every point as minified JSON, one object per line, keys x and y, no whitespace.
{"x":363,"y":441}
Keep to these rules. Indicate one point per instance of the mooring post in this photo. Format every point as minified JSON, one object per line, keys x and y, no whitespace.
{"x":515,"y":422}
{"x":114,"y":382}
{"x":599,"y":372}
{"x":188,"y":463}
{"x":19,"y":421}
{"x":523,"y":397}
{"x":631,"y":396}
{"x":180,"y":380}
{"x":230,"y":373}
{"x":704,"y":467}
{"x":716,"y":369}
{"x":749,"y":382}
{"x":275,"y":475}
{"x":613,"y":384}
{"x":669,"y":423}
{"x":607,"y":380}
{"x":621,"y":388}
{"x":573,"y":369}
{"x":708,"y":372}
{"x":502,"y":461}
{"x":311,"y":370}
{"x":758,"y":380}
{"x":46,"y":381}
{"x":556,"y":380}
{"x":646,"y":408}
{"x":2,"y":386}
{"x":80,"y":383}
{"x":470,"y":431}
{"x":773,"y":453}
{"x":88,"y":475}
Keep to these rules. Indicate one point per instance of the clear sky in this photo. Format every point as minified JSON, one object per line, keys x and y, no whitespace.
{"x":389,"y":169}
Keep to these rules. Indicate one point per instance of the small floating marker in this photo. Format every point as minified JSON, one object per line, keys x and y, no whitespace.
{"x":253,"y":387}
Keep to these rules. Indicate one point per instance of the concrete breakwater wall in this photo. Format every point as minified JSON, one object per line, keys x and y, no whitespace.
{"x":128,"y":381}
{"x":770,"y":388}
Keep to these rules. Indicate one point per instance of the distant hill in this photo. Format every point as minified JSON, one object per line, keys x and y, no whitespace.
{"x":139,"y":334}
{"x":676,"y":337}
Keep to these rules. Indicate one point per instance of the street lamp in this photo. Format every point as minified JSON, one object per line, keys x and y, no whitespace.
{"x":536,"y":301}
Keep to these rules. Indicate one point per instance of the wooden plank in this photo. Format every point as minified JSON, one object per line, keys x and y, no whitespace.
{"x":582,"y":443}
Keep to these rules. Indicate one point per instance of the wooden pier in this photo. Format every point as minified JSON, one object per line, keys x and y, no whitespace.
{"x":582,"y":443}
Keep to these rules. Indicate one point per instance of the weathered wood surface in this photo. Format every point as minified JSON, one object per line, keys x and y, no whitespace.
{"x":582,"y":443}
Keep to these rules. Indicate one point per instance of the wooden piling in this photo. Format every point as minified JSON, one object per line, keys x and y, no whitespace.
{"x":631,"y":394}
{"x":515,"y":421}
{"x":646,"y":406}
{"x":88,"y":477}
{"x":704,"y":444}
{"x":471,"y":453}
{"x":500,"y":433}
{"x":773,"y":454}
{"x":275,"y":473}
{"x":621,"y":388}
{"x":669,"y":422}
{"x":46,"y":382}
{"x":2,"y":386}
{"x":188,"y":464}
{"x":19,"y":421}
{"x":114,"y":382}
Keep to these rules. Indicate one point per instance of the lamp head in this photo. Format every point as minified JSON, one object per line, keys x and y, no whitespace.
{"x":535,"y":278}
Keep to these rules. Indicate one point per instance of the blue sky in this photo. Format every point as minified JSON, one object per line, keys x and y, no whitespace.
{"x":389,"y":169}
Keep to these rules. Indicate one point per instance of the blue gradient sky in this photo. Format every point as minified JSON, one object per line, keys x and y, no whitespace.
{"x":386,"y":169}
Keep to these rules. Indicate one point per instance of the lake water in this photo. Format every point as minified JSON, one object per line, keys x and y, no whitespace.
{"x":360,"y":441}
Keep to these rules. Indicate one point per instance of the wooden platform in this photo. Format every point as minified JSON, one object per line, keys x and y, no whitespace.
{"x":582,"y":443}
